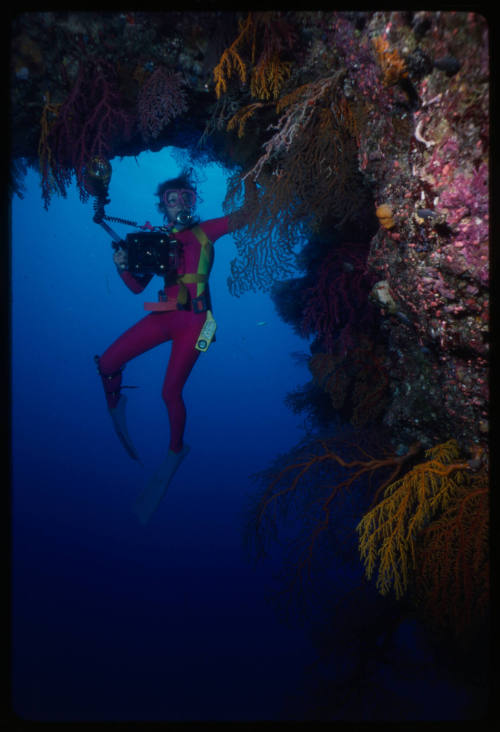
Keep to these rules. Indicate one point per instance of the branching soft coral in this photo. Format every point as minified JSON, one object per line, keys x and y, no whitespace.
{"x":231,"y":59}
{"x":355,"y":380}
{"x":338,"y":301}
{"x":265,"y":245}
{"x":241,"y":117}
{"x":88,"y":123}
{"x":388,"y":533}
{"x":452,"y":560}
{"x":307,"y":174}
{"x":319,"y":473}
{"x":298,"y":109}
{"x":328,"y":373}
{"x":269,"y":76}
{"x":161,"y":98}
{"x":262,"y":38}
{"x":45,"y":155}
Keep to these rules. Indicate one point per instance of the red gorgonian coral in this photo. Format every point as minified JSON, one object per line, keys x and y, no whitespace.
{"x":161,"y":98}
{"x":338,"y":302}
{"x":89,"y":122}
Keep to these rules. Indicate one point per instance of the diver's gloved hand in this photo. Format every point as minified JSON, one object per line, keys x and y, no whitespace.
{"x":120,"y":258}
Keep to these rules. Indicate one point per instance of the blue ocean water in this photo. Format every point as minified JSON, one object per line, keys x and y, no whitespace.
{"x":114,"y":621}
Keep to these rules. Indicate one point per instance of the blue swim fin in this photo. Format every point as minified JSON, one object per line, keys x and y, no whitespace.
{"x":120,"y":425}
{"x":149,"y":500}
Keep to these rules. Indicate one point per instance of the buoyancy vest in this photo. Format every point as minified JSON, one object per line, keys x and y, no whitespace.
{"x":202,"y":300}
{"x":200,"y":277}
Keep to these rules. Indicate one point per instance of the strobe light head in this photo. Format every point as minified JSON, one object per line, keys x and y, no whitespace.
{"x":97,"y":175}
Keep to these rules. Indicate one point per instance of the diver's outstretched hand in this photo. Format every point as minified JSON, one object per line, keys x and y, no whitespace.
{"x":150,"y":498}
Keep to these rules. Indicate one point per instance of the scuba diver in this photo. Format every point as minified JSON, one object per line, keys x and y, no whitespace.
{"x":182,"y":315}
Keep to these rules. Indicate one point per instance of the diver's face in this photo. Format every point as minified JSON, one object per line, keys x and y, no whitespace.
{"x":173,"y":206}
{"x":177,"y":201}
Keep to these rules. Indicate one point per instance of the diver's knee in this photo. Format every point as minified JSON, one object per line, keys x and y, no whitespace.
{"x":111,"y":380}
{"x":105,"y":367}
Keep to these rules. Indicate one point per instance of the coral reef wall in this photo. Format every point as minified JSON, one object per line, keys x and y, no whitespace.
{"x":358,"y":143}
{"x":370,"y":126}
{"x":434,"y":259}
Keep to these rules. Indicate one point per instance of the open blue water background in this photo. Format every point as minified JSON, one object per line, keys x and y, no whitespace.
{"x":110,"y":620}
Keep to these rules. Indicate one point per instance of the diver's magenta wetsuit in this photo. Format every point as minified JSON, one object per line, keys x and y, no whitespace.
{"x":182,"y":327}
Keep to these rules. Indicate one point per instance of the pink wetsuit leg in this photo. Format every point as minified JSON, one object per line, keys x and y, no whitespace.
{"x":141,"y":337}
{"x":183,"y":328}
{"x":182,"y":359}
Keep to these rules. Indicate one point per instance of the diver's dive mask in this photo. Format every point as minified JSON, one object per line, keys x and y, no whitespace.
{"x":184,"y":197}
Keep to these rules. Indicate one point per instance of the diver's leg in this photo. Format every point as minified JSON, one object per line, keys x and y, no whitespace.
{"x":141,"y":337}
{"x":149,"y":332}
{"x":182,"y":359}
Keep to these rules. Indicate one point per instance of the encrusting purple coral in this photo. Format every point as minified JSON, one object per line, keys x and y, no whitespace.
{"x":465,"y":201}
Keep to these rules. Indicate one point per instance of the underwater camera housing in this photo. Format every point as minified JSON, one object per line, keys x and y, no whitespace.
{"x":153,"y":252}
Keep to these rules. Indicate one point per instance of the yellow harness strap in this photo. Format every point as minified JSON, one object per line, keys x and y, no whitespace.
{"x":204,"y":263}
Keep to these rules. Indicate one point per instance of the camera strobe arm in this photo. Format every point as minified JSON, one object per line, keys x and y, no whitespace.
{"x":116,"y":238}
{"x":96,"y":177}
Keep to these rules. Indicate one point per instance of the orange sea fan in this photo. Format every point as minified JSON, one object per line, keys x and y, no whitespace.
{"x":241,"y":117}
{"x":322,"y":472}
{"x":231,"y":59}
{"x":388,"y":532}
{"x":452,"y":560}
{"x":257,"y":51}
{"x":45,"y":155}
{"x":306,"y":174}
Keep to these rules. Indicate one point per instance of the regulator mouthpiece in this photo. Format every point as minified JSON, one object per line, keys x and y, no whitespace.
{"x":184,"y":218}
